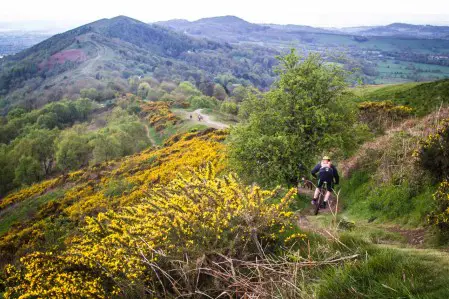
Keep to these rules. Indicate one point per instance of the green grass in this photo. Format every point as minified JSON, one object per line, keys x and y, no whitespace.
{"x":159,"y":138}
{"x":423,"y":97}
{"x":388,"y":273}
{"x":401,"y":204}
{"x":384,"y":267}
{"x":23,"y":210}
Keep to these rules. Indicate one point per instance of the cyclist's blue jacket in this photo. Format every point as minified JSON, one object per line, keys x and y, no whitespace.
{"x":329,"y":176}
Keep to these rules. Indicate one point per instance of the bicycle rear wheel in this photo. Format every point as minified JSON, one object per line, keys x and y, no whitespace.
{"x":318,"y":203}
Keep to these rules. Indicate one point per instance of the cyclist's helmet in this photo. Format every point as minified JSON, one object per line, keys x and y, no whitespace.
{"x":326,"y":158}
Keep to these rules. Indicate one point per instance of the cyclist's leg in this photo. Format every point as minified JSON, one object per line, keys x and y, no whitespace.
{"x":317,"y":191}
{"x":327,"y":195}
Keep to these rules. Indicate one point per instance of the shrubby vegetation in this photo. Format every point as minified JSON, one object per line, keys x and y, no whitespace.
{"x":147,"y":248}
{"x":382,"y":115}
{"x":46,"y":225}
{"x":41,"y":151}
{"x":433,"y":157}
{"x":58,"y":115}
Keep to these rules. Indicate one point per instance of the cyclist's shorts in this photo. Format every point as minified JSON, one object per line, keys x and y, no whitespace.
{"x":329,"y":185}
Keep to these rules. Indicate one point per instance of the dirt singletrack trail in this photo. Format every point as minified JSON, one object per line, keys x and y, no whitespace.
{"x":412,"y":237}
{"x":306,"y":218}
{"x":147,"y":131}
{"x":90,"y":66}
{"x":207,"y":120}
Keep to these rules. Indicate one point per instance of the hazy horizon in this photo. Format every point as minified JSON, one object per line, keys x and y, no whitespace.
{"x":51,"y":15}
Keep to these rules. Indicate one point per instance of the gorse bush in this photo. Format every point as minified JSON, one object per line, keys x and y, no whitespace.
{"x":170,"y":243}
{"x":382,"y":115}
{"x":433,"y":155}
{"x":439,"y":217}
{"x":97,"y":188}
{"x":159,"y":115}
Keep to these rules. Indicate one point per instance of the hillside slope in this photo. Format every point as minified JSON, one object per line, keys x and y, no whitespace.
{"x":54,"y":207}
{"x":413,"y":54}
{"x":172,"y":221}
{"x":423,"y":97}
{"x":105,"y":53}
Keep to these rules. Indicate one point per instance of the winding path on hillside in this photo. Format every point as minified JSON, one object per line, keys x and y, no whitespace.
{"x":206,"y":119}
{"x":413,"y":238}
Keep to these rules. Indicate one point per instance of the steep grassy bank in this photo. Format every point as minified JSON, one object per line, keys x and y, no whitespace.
{"x":423,"y":97}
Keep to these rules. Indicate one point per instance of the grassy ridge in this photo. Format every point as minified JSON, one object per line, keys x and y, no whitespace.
{"x":423,"y":97}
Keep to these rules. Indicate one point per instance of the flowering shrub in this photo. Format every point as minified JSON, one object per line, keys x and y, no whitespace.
{"x":440,"y":216}
{"x":86,"y":192}
{"x":52,"y":276}
{"x":159,"y":114}
{"x":381,"y":115}
{"x":33,"y":190}
{"x":434,"y":152}
{"x":169,"y":243}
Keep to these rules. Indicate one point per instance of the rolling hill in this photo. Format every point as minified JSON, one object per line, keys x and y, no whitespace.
{"x":383,"y":54}
{"x":404,"y":30}
{"x":105,"y":53}
{"x":422,"y":97}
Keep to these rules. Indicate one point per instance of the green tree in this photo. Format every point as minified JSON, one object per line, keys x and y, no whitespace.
{"x":47,"y":120}
{"x":187,"y":89}
{"x":229,"y":108}
{"x":28,"y":171}
{"x":84,"y":107}
{"x":105,"y":147}
{"x":220,"y":92}
{"x":202,"y":102}
{"x":252,"y":103}
{"x":72,"y":150}
{"x":6,"y":170}
{"x":302,"y":116}
{"x":143,"y":90}
{"x":240,"y":93}
{"x":38,"y":144}
{"x":16,"y":113}
{"x":90,"y":93}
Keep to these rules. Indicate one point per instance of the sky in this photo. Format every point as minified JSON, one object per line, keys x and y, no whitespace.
{"x":32,"y":14}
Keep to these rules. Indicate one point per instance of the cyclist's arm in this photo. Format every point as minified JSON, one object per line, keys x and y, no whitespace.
{"x":315,"y":170}
{"x":336,"y":176}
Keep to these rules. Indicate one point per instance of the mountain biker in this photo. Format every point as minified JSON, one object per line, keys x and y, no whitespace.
{"x":326,"y":173}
